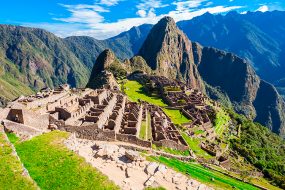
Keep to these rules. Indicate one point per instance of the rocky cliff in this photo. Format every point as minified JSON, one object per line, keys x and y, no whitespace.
{"x":105,"y":69}
{"x":169,"y":53}
{"x":249,"y":94}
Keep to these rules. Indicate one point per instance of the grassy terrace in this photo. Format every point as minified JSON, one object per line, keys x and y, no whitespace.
{"x":204,"y":175}
{"x":145,"y":131}
{"x":11,"y":169}
{"x":53,"y":166}
{"x":135,"y":92}
{"x":194,"y":144}
{"x":222,"y":119}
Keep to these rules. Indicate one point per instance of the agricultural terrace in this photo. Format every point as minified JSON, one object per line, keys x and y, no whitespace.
{"x":53,"y":166}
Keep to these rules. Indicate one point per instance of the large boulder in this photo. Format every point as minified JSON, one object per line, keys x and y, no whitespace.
{"x":132,"y":155}
{"x":151,"y":168}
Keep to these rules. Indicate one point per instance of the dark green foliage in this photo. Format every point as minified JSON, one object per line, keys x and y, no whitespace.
{"x":216,"y":94}
{"x":262,"y":148}
{"x":118,"y":70}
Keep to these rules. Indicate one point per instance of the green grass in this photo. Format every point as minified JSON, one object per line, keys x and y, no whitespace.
{"x":222,"y":119}
{"x":12,"y":137}
{"x":53,"y":166}
{"x":11,"y":169}
{"x":198,"y":132}
{"x":171,"y":151}
{"x":176,"y":117}
{"x":194,"y":144}
{"x":143,"y":134}
{"x":155,"y":188}
{"x":135,"y":92}
{"x":204,"y":175}
{"x":145,"y":131}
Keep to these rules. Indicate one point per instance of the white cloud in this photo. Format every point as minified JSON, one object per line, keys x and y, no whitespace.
{"x":141,"y":13}
{"x":263,"y":8}
{"x":187,"y":15}
{"x":148,"y":4}
{"x":109,"y":2}
{"x":185,"y":5}
{"x":83,"y":14}
{"x":87,"y":19}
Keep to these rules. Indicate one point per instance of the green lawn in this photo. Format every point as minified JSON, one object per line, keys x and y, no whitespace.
{"x":134,"y":91}
{"x":194,"y":144}
{"x":143,"y":131}
{"x":53,"y":166}
{"x":11,"y":169}
{"x":204,"y":175}
{"x":176,"y":116}
{"x":222,"y":119}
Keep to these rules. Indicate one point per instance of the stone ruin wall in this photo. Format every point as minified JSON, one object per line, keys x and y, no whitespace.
{"x":3,"y":113}
{"x":133,"y":139}
{"x":170,"y":144}
{"x":79,"y":113}
{"x":91,"y":132}
{"x":37,"y":121}
{"x":20,"y":129}
{"x":53,"y":98}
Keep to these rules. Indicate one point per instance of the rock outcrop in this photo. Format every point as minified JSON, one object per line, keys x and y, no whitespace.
{"x":106,"y":68}
{"x":169,"y":53}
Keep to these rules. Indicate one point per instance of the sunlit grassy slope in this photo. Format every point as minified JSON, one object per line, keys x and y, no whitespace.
{"x":11,"y":169}
{"x":53,"y":166}
{"x":204,"y":175}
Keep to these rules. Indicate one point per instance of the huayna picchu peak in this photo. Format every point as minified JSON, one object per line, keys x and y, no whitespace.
{"x":169,"y":53}
{"x":148,"y":109}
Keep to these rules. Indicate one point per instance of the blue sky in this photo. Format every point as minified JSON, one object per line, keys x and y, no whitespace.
{"x":105,"y":18}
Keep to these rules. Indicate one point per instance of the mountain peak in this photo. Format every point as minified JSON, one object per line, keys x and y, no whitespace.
{"x":167,"y":20}
{"x":168,"y":51}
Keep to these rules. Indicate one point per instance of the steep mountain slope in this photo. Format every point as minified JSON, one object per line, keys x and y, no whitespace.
{"x":106,"y":67}
{"x":39,"y":57}
{"x":249,"y":94}
{"x":256,"y":36}
{"x":166,"y":49}
{"x":169,"y":52}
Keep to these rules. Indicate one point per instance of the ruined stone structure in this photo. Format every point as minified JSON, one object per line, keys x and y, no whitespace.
{"x":164,"y":132}
{"x":102,"y":114}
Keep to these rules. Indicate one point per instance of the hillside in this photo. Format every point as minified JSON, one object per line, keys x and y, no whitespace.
{"x":33,"y":59}
{"x":256,"y":36}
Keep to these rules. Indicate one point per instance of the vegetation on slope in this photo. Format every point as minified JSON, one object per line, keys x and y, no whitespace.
{"x":204,"y":175}
{"x":53,"y":166}
{"x":262,"y":148}
{"x":194,"y":144}
{"x":11,"y":175}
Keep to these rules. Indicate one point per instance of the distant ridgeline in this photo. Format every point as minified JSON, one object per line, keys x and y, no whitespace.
{"x":32,"y":59}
